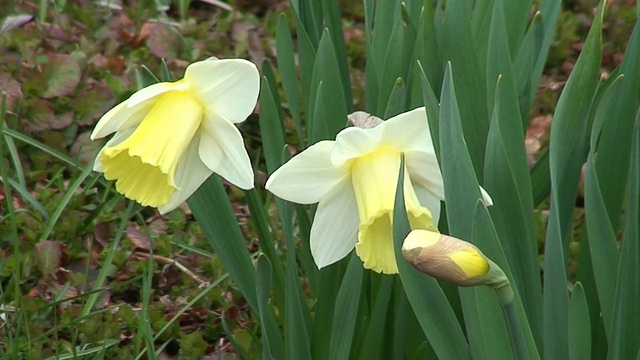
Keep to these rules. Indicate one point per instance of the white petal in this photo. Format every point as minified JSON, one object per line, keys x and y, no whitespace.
{"x":119,"y":137}
{"x":424,"y":171}
{"x":430,"y":201}
{"x":222,"y":150}
{"x":228,"y":87}
{"x":307,"y":177}
{"x":121,"y":117}
{"x":408,"y":131}
{"x":334,"y":232}
{"x":354,"y":142}
{"x":486,"y":198}
{"x":190,"y":174}
{"x":152,"y":91}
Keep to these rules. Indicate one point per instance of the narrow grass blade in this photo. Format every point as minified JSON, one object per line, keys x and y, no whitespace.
{"x":73,"y":187}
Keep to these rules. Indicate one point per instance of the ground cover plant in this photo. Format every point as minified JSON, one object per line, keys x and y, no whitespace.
{"x":512,"y":127}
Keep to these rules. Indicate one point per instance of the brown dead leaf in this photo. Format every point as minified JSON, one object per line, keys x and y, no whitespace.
{"x":14,"y":22}
{"x":49,"y":257}
{"x":139,"y":239}
{"x":102,"y":233}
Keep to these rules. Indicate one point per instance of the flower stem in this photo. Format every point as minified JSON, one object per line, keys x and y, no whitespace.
{"x":516,"y":334}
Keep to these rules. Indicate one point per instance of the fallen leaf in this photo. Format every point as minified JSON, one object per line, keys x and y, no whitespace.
{"x":13,"y":22}
{"x":49,"y":257}
{"x":139,"y":239}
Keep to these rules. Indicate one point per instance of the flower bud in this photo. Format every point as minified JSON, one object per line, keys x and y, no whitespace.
{"x":453,"y":260}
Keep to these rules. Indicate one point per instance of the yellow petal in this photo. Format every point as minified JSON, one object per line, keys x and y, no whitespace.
{"x":470,"y":262}
{"x":374,"y":177}
{"x":144,"y":164}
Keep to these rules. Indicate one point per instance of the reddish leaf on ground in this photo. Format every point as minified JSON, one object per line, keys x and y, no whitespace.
{"x":61,"y":75}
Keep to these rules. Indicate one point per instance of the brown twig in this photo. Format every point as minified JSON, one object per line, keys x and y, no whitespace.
{"x":177,"y":264}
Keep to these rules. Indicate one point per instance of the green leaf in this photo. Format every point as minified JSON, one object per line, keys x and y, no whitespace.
{"x":540,"y":176}
{"x":507,"y":175}
{"x":486,"y":238}
{"x":327,"y":108}
{"x":271,"y":127}
{"x":579,"y":325}
{"x":394,"y":64}
{"x":271,"y":334}
{"x":626,"y":311}
{"x":568,"y":144}
{"x":614,"y":146}
{"x":469,"y":79}
{"x":602,"y":239}
{"x":144,"y":77}
{"x":165,"y":75}
{"x":288,"y":76}
{"x":61,"y":74}
{"x":267,"y":244}
{"x":427,"y":300}
{"x":374,"y":336}
{"x":345,"y":316}
{"x":211,"y":207}
{"x":333,"y":24}
{"x":397,"y":99}
{"x":460,"y":183}
{"x":525,"y":61}
{"x":433,"y":110}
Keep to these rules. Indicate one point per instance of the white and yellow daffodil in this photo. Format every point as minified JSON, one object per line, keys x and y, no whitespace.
{"x":171,"y":136}
{"x":354,"y":181}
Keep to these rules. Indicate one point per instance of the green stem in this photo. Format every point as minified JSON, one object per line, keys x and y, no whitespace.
{"x":516,"y":334}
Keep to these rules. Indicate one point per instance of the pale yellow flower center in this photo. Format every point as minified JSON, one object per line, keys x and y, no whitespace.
{"x":144,"y":164}
{"x":374,"y":177}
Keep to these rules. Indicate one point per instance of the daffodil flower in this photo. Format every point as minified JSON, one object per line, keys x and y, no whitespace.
{"x":171,"y":136}
{"x":354,"y":181}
